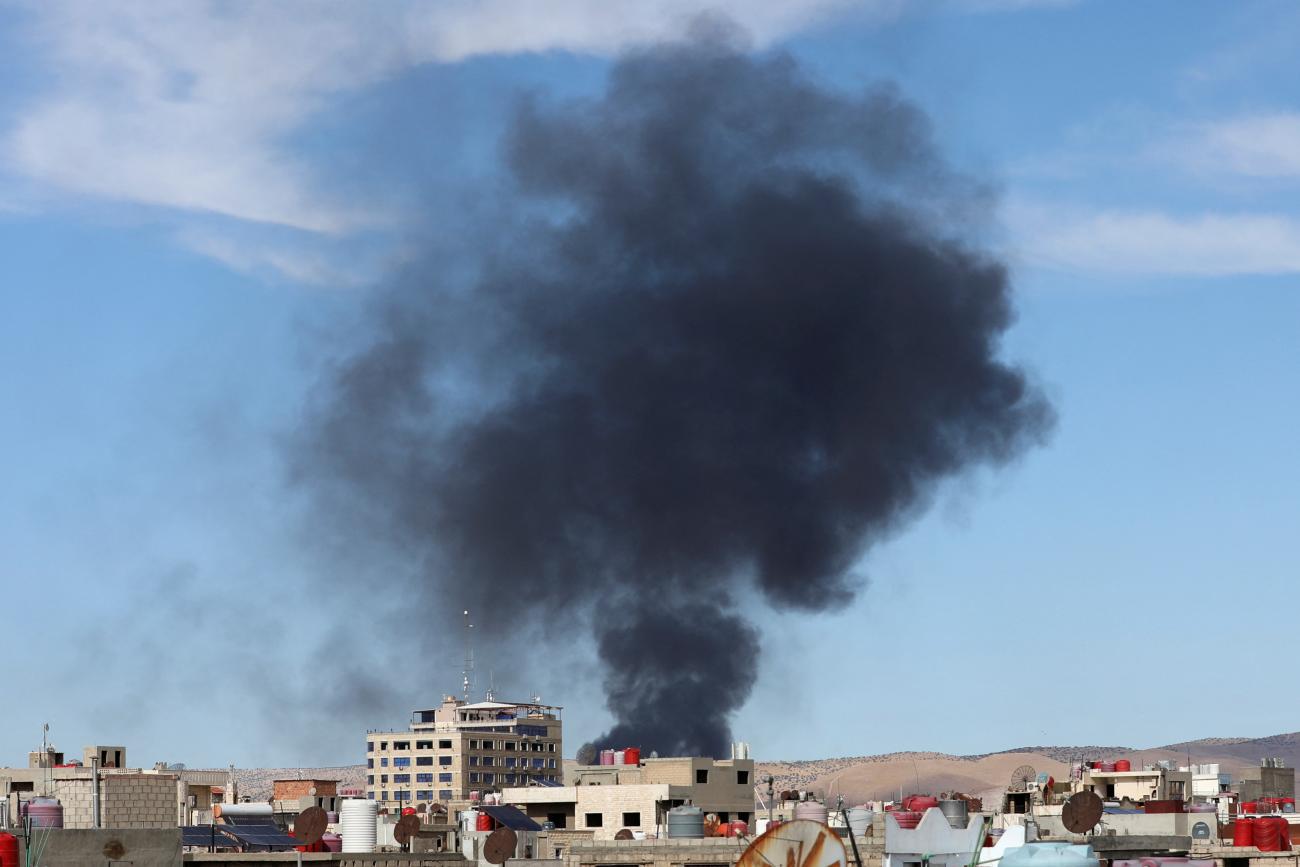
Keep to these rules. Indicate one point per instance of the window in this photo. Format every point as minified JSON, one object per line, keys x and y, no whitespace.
{"x":401,"y":745}
{"x":556,"y":818}
{"x":444,"y":794}
{"x":701,"y":775}
{"x":488,"y":745}
{"x":401,"y":778}
{"x":424,"y":760}
{"x":444,"y":760}
{"x":489,"y":778}
{"x":383,"y":796}
{"x":444,"y":745}
{"x":537,"y":748}
{"x":383,"y":778}
{"x":594,"y":820}
{"x":473,"y":778}
{"x":383,"y":763}
{"x":444,"y":778}
{"x":370,"y":795}
{"x":473,"y":760}
{"x":370,"y":779}
{"x":402,"y":762}
{"x":551,"y":763}
{"x":550,"y":748}
{"x":424,"y":745}
{"x":539,"y":763}
{"x":631,"y":820}
{"x":424,"y":795}
{"x":401,"y":796}
{"x":510,"y":745}
{"x":383,"y":745}
{"x":510,"y":779}
{"x":370,"y":746}
{"x":742,"y":778}
{"x":370,"y":763}
{"x":424,"y":778}
{"x":510,"y":761}
{"x":488,"y":760}
{"x":473,"y":745}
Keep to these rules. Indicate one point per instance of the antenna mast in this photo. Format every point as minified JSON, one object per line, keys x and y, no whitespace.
{"x":467,"y":674}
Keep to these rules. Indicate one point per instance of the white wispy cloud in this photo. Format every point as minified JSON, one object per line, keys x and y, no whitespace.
{"x":1260,"y":145}
{"x":192,"y":105}
{"x":1155,"y":243}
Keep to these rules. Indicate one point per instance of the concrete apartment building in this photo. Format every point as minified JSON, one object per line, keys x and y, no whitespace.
{"x":1272,"y":779}
{"x":459,"y":748}
{"x":102,"y":792}
{"x":606,"y":799}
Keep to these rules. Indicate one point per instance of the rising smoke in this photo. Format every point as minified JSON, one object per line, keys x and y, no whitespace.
{"x":736,"y":333}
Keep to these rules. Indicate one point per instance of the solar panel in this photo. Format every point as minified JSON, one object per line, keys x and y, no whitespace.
{"x":263,"y":835}
{"x":205,"y":836}
{"x":511,"y":817}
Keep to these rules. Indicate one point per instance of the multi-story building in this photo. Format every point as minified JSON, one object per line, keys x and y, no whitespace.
{"x":607,"y":799}
{"x":456,"y":749}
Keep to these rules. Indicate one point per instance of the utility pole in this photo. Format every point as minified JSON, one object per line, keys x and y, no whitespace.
{"x":771,"y":794}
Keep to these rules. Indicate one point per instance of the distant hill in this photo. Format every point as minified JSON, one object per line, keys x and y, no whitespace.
{"x":860,"y":778}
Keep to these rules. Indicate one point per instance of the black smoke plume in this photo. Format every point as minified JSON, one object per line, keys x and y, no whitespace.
{"x":735,"y":332}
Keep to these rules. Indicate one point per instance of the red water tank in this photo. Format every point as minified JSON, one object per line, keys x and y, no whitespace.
{"x":1243,"y":833}
{"x":8,"y":850}
{"x":484,"y":822}
{"x":907,"y":818}
{"x":1248,"y":806}
{"x":919,"y":803}
{"x":632,"y":755}
{"x":1267,"y":838}
{"x":408,"y":811}
{"x":1123,"y":765}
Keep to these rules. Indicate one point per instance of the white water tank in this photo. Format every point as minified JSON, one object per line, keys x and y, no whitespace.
{"x":357,"y":820}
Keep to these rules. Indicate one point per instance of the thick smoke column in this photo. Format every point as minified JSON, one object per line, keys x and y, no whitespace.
{"x":734,"y":338}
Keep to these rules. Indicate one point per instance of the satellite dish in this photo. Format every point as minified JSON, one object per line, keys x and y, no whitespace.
{"x":625,"y":834}
{"x":499,"y":846}
{"x":1200,"y":831}
{"x":310,"y":825}
{"x":1082,"y":812}
{"x":1021,"y":777}
{"x":407,"y":827}
{"x":799,"y":843}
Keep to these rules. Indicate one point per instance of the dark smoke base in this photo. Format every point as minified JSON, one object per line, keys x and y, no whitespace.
{"x":748,"y":346}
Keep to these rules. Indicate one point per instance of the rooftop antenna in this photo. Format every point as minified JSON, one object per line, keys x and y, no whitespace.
{"x":467,"y":674}
{"x":492,"y":686}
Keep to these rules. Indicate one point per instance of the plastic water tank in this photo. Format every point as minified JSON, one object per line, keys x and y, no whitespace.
{"x":919,"y":803}
{"x":685,"y":822}
{"x":8,"y":850}
{"x":632,"y":755}
{"x":907,"y":818}
{"x":332,"y":817}
{"x":607,"y":757}
{"x":1123,"y":765}
{"x":357,"y":819}
{"x":1050,"y":855}
{"x":44,"y":812}
{"x":1243,"y":832}
{"x":814,"y":810}
{"x":333,"y":842}
{"x":620,"y":757}
{"x":860,"y":820}
{"x":956,"y":812}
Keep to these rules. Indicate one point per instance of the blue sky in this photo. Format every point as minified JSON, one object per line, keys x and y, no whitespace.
{"x":191,"y":195}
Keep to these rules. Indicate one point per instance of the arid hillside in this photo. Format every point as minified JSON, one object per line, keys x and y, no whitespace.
{"x":860,"y":778}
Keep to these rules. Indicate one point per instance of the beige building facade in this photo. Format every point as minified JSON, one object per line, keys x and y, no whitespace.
{"x":606,"y":799}
{"x":457,"y":749}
